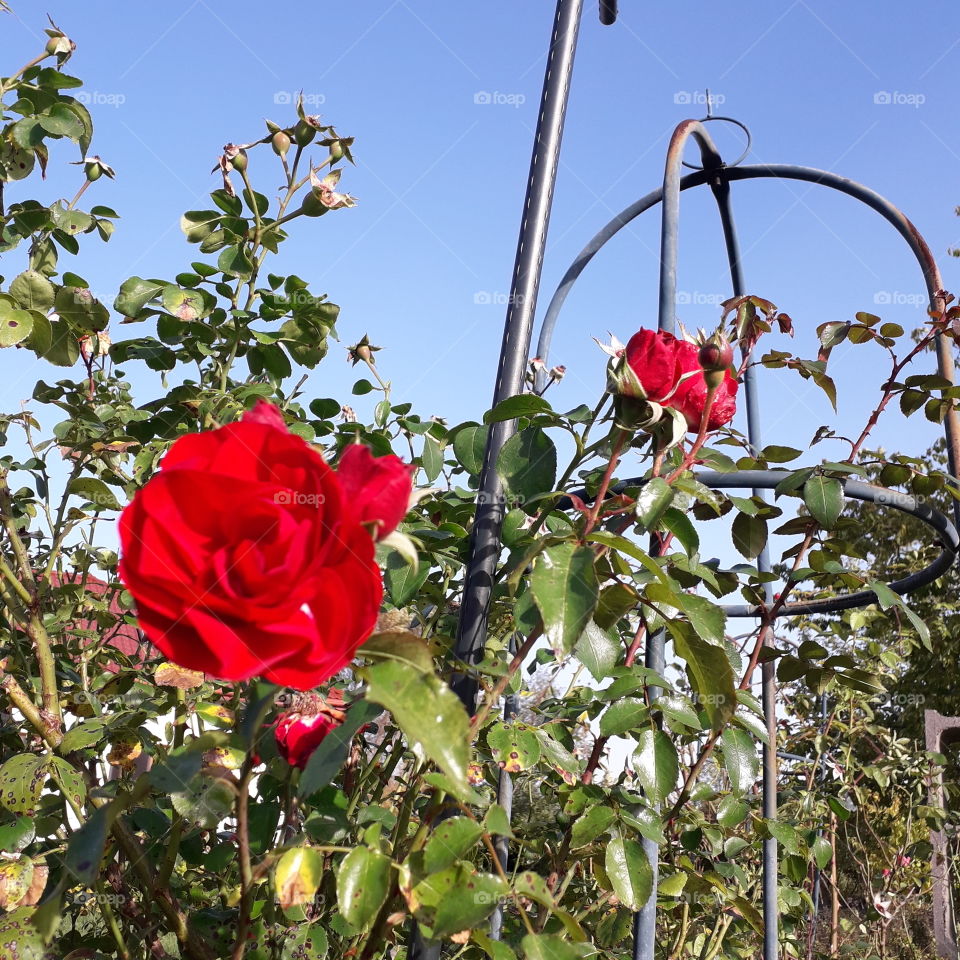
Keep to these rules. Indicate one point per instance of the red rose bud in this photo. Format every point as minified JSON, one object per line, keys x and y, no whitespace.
{"x":247,"y":555}
{"x":716,"y":354}
{"x":300,"y":731}
{"x":715,"y":357}
{"x":378,"y":488}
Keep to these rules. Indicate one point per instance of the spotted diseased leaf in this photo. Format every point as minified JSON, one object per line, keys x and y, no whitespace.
{"x":363,"y":883}
{"x":297,"y":876}
{"x":172,"y":675}
{"x":22,"y":779}
{"x":559,"y":757}
{"x":450,"y":842}
{"x":456,"y":899}
{"x":515,"y":746}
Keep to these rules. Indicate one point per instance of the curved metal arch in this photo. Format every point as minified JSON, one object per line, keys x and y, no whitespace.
{"x":947,"y":535}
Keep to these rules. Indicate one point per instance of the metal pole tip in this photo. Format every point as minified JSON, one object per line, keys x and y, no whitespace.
{"x":608,"y":12}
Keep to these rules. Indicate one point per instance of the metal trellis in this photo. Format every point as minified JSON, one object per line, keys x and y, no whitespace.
{"x":485,"y":543}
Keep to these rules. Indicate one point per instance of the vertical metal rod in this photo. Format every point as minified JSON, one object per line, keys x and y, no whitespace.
{"x":645,"y":920}
{"x":517,"y":331}
{"x":514,"y":353}
{"x":768,"y":686}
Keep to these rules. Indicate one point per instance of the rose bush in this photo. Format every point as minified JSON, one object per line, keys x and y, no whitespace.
{"x":151,"y":810}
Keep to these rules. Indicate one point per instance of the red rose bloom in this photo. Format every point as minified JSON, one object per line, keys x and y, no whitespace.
{"x":300,"y":731}
{"x":245,"y":558}
{"x":377,"y":489}
{"x":660,"y":361}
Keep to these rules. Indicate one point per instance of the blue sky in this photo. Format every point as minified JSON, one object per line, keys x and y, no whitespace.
{"x":423,"y":263}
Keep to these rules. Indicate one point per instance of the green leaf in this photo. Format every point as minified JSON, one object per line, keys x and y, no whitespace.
{"x":431,"y":458}
{"x":629,"y":871}
{"x":731,"y":811}
{"x":85,"y":849}
{"x":710,"y":671}
{"x":328,"y":759}
{"x":522,"y":405}
{"x":469,"y":444}
{"x":134,"y":295}
{"x":740,"y":759}
{"x":598,"y":650}
{"x":450,"y":842}
{"x":515,"y":746}
{"x":707,"y":618}
{"x":94,"y":491}
{"x":363,"y":883}
{"x":15,"y":325}
{"x":298,"y":874}
{"x":775,"y":454}
{"x":624,"y":715}
{"x":32,"y":290}
{"x":21,"y":782}
{"x":656,"y":764}
{"x":197,"y":225}
{"x":823,"y":497}
{"x":18,"y":835}
{"x":402,"y":579}
{"x":527,"y":465}
{"x":457,"y":898}
{"x":677,"y":709}
{"x":565,"y":589}
{"x":596,"y":821}
{"x":235,"y":261}
{"x":548,"y":946}
{"x":749,"y":535}
{"x":680,"y":525}
{"x":822,"y":851}
{"x":428,"y":712}
{"x":64,"y":349}
{"x":654,"y":498}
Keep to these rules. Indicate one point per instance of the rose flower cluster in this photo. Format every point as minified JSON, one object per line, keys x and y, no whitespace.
{"x":247,"y":555}
{"x":665,"y":370}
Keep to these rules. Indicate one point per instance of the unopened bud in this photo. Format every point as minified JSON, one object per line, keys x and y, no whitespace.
{"x":303,"y":133}
{"x":716,"y":354}
{"x":336,"y":151}
{"x":558,"y":372}
{"x":236,"y":157}
{"x":281,"y":143}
